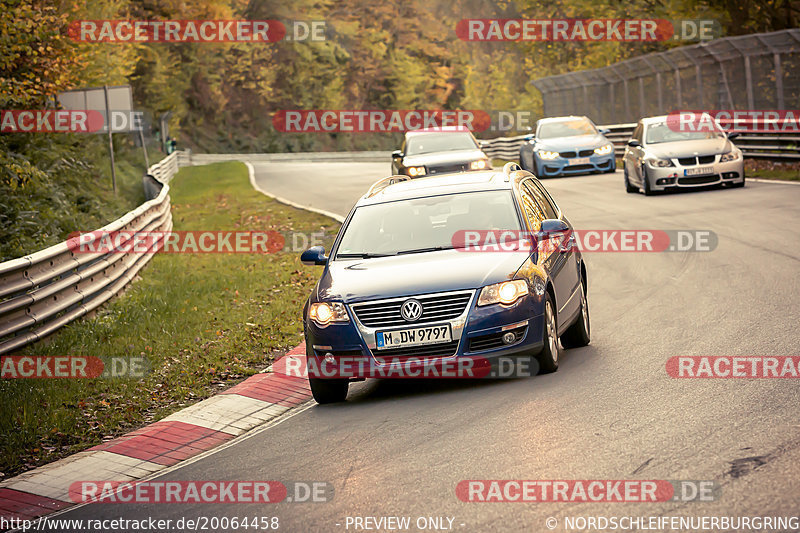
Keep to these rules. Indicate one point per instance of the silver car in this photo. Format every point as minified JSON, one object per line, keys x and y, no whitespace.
{"x":660,"y":156}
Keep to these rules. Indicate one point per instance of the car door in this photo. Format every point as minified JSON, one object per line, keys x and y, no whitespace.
{"x":563,"y":266}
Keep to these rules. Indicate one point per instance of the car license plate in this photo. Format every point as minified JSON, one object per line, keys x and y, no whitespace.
{"x":700,"y":171}
{"x":579,"y":161}
{"x":402,"y":338}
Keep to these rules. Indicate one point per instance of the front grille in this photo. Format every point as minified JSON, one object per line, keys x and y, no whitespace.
{"x":586,"y":153}
{"x":579,"y":167}
{"x":687,"y":161}
{"x":435,"y":308}
{"x":706,"y":159}
{"x":442,"y":169}
{"x":495,"y":340}
{"x":567,"y":154}
{"x":431,"y":351}
{"x":697,"y":180}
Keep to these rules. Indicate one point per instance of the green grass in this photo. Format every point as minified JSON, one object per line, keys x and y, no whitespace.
{"x":204,"y":321}
{"x":789,"y":175}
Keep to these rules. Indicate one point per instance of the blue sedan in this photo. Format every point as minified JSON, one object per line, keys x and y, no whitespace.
{"x":401,"y":284}
{"x":567,"y":146}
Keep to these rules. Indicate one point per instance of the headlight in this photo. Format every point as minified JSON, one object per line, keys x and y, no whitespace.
{"x":733,"y":155}
{"x":655,"y":162}
{"x":324,"y":313}
{"x":506,"y":292}
{"x":480,"y":164}
{"x":604,"y":150}
{"x":415,"y":171}
{"x":547,"y":154}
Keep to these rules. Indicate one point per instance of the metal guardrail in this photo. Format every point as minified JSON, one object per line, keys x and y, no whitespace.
{"x":297,"y":157}
{"x":753,"y":145}
{"x":42,"y":292}
{"x":755,"y":71}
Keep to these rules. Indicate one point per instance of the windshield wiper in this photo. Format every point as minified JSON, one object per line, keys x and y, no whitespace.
{"x":422,"y":250}
{"x":364,"y":255}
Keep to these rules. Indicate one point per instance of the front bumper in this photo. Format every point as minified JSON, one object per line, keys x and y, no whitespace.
{"x":568,"y":166}
{"x":477,"y":335}
{"x":678,"y":176}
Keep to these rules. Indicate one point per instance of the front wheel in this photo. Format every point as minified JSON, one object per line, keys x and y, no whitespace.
{"x":628,"y":187}
{"x":739,"y":184}
{"x":329,"y":390}
{"x":646,"y":183}
{"x":522,"y":164}
{"x":548,"y":357}
{"x":577,"y":334}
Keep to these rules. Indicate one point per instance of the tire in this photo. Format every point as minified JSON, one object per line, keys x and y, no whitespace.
{"x":578,"y":334}
{"x":329,"y":390}
{"x":738,"y":185}
{"x":326,"y":390}
{"x":522,"y":164}
{"x":646,"y":183}
{"x":628,"y":187}
{"x":547,"y":359}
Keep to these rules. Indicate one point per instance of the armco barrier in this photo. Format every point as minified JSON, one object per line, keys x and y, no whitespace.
{"x":41,"y":292}
{"x":753,"y":145}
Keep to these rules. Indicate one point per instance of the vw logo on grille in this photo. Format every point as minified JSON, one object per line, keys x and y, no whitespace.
{"x":411,"y":310}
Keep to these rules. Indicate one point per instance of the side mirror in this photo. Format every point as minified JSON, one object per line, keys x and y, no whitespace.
{"x":529,"y":137}
{"x":733,"y":134}
{"x":314,"y":256}
{"x":397,"y":154}
{"x":554,"y":226}
{"x":633,"y":143}
{"x":559,"y":232}
{"x":605,"y":131}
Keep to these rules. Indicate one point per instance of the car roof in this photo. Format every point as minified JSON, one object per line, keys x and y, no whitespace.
{"x":559,"y":119}
{"x":442,"y":184}
{"x":650,"y":120}
{"x":441,"y":129}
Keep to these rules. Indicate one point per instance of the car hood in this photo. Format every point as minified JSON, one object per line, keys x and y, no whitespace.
{"x":444,"y":158}
{"x":386,"y":277}
{"x":575,"y":142}
{"x":690,"y":148}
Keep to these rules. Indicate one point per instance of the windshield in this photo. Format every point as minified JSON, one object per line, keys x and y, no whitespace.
{"x":425,"y":224}
{"x":426,"y":143}
{"x":566,"y":128}
{"x":660,"y":132}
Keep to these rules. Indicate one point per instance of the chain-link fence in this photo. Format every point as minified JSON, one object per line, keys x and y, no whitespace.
{"x":759,"y":71}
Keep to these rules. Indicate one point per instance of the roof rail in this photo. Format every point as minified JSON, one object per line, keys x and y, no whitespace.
{"x":381,"y":184}
{"x":508,"y":168}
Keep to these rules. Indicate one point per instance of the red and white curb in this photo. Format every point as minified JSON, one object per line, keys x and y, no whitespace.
{"x":141,"y":453}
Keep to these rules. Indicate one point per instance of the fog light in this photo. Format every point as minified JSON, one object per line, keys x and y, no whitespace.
{"x":329,"y":358}
{"x":509,"y":338}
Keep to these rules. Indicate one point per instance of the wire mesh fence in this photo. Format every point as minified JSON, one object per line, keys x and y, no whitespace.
{"x":758,"y":71}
